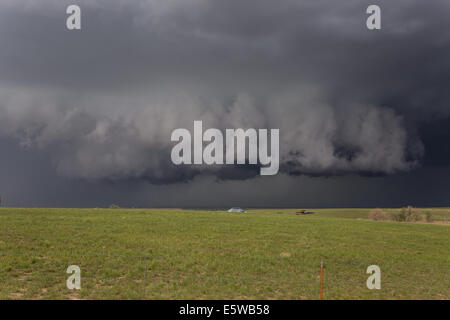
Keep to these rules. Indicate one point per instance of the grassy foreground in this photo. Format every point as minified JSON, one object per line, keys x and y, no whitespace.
{"x":188,"y":254}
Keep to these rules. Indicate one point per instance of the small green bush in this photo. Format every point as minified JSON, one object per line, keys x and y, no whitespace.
{"x":408,"y":214}
{"x":114,"y":206}
{"x":412,"y":214}
{"x":428,"y":217}
{"x":398,"y":216}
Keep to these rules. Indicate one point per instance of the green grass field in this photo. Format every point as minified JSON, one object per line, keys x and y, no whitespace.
{"x":199,"y":254}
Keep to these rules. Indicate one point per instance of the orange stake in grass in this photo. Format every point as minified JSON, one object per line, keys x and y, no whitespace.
{"x":321,"y":280}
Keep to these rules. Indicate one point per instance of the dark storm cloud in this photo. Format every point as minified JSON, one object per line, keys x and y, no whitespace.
{"x":103,"y":102}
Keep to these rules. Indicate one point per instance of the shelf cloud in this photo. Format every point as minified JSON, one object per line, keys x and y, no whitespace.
{"x":102,"y":102}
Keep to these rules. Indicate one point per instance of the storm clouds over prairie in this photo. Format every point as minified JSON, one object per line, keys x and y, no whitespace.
{"x":95,"y":108}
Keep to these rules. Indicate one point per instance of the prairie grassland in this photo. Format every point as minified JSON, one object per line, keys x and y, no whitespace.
{"x":201,"y":254}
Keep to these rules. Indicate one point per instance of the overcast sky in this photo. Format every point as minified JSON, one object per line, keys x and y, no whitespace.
{"x":86,"y":116}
